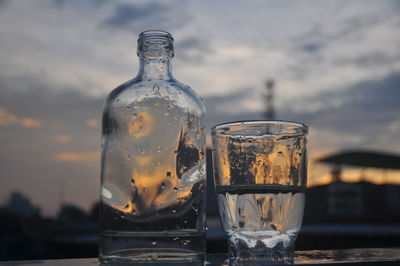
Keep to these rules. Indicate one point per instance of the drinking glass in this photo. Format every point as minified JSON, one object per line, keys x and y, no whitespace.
{"x":260,"y":174}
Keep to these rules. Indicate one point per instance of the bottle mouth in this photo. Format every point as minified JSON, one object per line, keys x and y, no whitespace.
{"x":155,"y":35}
{"x":154,"y":43}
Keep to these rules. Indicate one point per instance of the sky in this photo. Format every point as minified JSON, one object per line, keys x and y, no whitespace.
{"x":336,"y":67}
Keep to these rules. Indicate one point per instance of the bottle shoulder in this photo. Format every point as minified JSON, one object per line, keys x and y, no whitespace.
{"x":139,"y":90}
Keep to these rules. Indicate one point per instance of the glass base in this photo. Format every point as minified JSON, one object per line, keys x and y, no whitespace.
{"x":241,"y":254}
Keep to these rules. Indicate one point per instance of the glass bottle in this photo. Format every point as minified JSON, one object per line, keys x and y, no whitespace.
{"x":153,"y":173}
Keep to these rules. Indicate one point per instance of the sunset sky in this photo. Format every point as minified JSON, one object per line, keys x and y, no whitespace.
{"x":336,"y":65}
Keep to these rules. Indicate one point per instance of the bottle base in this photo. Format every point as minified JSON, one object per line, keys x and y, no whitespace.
{"x":152,"y":247}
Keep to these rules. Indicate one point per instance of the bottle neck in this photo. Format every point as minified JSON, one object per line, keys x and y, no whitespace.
{"x":155,"y":51}
{"x":155,"y":68}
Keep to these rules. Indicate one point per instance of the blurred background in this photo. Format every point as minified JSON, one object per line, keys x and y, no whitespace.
{"x":334,"y":65}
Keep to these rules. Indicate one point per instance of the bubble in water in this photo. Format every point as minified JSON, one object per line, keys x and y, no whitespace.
{"x":175,"y":189}
{"x":169,"y":174}
{"x":156,"y":88}
{"x":174,"y":211}
{"x":176,"y":238}
{"x":186,"y":242}
{"x":162,"y":186}
{"x":132,"y":182}
{"x":128,"y":157}
{"x":159,"y":148}
{"x":127,"y":107}
{"x":154,"y":243}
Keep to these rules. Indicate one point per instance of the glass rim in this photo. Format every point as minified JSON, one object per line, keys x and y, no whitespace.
{"x":301,"y":129}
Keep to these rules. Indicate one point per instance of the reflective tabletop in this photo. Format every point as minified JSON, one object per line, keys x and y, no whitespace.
{"x":370,"y":256}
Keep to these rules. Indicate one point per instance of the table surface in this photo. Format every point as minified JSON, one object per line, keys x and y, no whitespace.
{"x":370,"y":256}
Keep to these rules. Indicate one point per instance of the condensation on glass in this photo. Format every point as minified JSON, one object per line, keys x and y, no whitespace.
{"x":153,"y":173}
{"x":260,"y":171}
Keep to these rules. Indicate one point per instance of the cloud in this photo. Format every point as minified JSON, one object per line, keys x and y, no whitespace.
{"x":363,"y":115}
{"x":151,"y":15}
{"x":125,"y":14}
{"x":192,"y":49}
{"x":77,"y":3}
{"x":9,"y":119}
{"x":63,"y":138}
{"x":63,"y":147}
{"x":92,"y":123}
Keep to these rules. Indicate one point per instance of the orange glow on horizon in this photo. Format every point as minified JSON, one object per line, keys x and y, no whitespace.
{"x":90,"y":156}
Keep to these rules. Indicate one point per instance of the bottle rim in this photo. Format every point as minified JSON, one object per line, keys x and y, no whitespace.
{"x":155,"y":35}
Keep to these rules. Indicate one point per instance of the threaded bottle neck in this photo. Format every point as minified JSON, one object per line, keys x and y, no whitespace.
{"x":155,"y":44}
{"x":155,"y":50}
